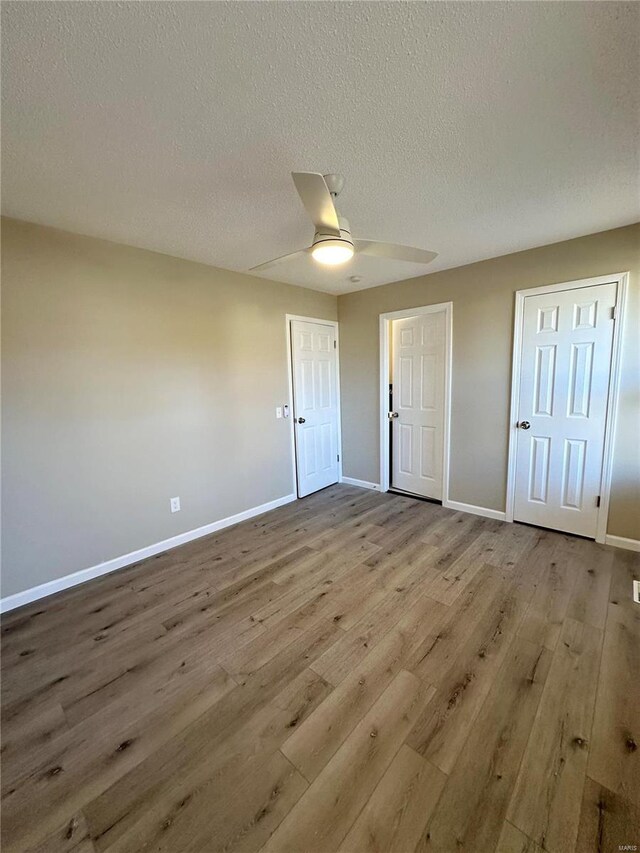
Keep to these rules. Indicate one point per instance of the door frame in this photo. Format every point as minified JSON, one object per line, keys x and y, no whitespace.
{"x":621,"y":280}
{"x":289,"y":318}
{"x":385,"y":325}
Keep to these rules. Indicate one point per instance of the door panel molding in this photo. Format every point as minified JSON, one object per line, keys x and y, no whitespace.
{"x":385,"y":355}
{"x":289,"y":319}
{"x":584,"y":318}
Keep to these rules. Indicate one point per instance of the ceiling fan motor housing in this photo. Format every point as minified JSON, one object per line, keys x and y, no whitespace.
{"x":329,"y":248}
{"x":345,"y":234}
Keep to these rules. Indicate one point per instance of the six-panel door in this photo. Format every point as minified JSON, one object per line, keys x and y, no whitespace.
{"x":315,"y":405}
{"x":564,"y":383}
{"x":418,"y":376}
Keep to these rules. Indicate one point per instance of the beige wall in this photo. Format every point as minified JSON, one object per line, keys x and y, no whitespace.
{"x":130,"y":377}
{"x":483,"y":310}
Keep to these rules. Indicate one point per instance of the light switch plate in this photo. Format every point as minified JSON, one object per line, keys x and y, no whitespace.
{"x":278,"y":411}
{"x":175,"y":504}
{"x":636,"y":592}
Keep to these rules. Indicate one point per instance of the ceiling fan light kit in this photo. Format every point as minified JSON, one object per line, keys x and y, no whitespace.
{"x":332,"y":242}
{"x":333,"y":250}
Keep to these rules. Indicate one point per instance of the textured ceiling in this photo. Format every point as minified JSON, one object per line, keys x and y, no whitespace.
{"x":473,"y":129}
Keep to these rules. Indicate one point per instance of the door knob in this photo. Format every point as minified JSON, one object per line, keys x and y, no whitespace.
{"x":301,"y":420}
{"x":392,"y":415}
{"x":524,"y":425}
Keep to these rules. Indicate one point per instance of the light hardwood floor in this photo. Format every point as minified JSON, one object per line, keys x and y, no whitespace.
{"x":352,"y":672}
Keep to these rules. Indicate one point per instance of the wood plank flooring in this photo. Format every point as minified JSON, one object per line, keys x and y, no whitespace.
{"x":353,"y":672}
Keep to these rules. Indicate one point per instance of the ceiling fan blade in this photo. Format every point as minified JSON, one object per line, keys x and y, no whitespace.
{"x":318,"y":201}
{"x":268,"y":264}
{"x":394,"y":251}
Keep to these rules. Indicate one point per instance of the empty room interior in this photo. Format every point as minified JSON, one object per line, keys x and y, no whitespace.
{"x":320,"y":427}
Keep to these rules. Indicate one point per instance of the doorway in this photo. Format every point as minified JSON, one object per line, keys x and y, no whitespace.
{"x":315,"y":394}
{"x":564,"y":393}
{"x":415,"y":378}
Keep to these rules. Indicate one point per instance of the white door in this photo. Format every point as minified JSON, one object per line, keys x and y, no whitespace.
{"x":564,"y":384}
{"x":315,"y":405}
{"x":418,"y":377}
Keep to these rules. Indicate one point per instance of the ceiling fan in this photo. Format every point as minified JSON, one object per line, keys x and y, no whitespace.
{"x":332,"y":242}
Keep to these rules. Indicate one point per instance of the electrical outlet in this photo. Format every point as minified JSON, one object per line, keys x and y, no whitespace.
{"x":278,"y":411}
{"x":636,"y":592}
{"x":175,"y":504}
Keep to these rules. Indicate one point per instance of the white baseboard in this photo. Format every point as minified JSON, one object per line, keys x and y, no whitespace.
{"x":476,"y":510}
{"x":11,"y":602}
{"x":623,"y":542}
{"x":364,"y":484}
{"x":66,"y":582}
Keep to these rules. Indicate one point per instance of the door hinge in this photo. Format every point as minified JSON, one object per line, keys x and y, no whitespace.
{"x":598,"y":501}
{"x":338,"y":457}
{"x":614,"y":312}
{"x":335,"y":345}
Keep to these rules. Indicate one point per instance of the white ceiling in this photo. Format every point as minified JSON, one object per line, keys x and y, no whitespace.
{"x":473,"y":129}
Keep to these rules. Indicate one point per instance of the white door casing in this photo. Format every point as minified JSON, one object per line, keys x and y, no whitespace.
{"x":564,"y":382}
{"x":315,"y":400}
{"x":418,"y":348}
